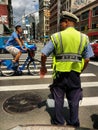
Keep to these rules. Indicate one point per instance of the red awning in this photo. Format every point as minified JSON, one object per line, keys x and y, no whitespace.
{"x":92,"y":34}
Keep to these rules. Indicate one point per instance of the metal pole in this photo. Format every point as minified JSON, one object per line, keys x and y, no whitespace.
{"x":58,"y":15}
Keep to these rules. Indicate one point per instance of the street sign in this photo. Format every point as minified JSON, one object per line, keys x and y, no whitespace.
{"x":25,"y":32}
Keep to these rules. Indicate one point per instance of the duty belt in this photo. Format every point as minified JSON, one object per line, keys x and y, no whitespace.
{"x":69,"y":57}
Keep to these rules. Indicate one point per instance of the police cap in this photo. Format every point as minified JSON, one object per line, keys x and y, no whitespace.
{"x":68,"y":15}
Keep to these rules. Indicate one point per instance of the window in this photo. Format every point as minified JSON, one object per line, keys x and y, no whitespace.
{"x":84,"y":27}
{"x":95,"y":11}
{"x":85,"y":15}
{"x":94,"y":25}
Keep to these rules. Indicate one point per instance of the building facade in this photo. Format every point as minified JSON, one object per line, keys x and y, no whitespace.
{"x":88,"y":16}
{"x":66,"y":5}
{"x":28,"y":25}
{"x":73,"y":5}
{"x":5,"y":15}
{"x":44,"y":18}
{"x":10,"y":13}
{"x":57,"y":6}
{"x":54,"y":15}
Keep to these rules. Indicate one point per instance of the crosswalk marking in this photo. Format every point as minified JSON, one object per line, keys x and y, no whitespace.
{"x":89,"y":84}
{"x":87,"y":101}
{"x":87,"y":74}
{"x":37,"y":76}
{"x":41,"y":86}
{"x":94,"y":63}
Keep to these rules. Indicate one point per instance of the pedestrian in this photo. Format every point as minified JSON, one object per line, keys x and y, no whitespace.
{"x":71,"y":55}
{"x":15,"y":40}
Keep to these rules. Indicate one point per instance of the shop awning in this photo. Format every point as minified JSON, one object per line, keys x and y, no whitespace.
{"x":92,"y":34}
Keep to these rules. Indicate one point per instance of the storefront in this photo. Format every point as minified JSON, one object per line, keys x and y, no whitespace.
{"x":93,"y":35}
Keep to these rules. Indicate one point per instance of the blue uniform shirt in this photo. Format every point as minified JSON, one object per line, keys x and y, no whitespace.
{"x":11,"y":40}
{"x":49,"y":47}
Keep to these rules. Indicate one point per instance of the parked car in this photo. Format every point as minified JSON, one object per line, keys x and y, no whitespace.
{"x":94,"y":46}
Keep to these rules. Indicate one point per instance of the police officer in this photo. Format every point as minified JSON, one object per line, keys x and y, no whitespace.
{"x":71,"y":54}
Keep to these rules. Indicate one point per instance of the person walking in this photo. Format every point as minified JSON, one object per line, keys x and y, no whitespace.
{"x":71,"y":55}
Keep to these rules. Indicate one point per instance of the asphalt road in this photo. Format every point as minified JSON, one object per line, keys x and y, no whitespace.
{"x":18,"y":92}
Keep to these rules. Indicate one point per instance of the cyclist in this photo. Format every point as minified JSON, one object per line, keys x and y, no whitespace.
{"x":15,"y":39}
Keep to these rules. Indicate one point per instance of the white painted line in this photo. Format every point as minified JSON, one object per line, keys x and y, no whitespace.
{"x":24,"y":77}
{"x":87,"y":101}
{"x":24,"y":87}
{"x":36,"y":70}
{"x":89,"y":84}
{"x":94,"y":63}
{"x":87,"y":74}
{"x":38,"y":77}
{"x":41,"y":86}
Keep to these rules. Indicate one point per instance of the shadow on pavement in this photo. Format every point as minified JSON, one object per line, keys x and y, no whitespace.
{"x":41,"y":104}
{"x":94,"y":118}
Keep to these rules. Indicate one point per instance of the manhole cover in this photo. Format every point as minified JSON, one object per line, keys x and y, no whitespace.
{"x":22,"y":103}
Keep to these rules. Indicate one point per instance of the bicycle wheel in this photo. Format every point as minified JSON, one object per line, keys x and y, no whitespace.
{"x":33,"y":67}
{"x":6,"y":67}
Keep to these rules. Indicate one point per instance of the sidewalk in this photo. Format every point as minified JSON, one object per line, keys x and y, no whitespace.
{"x":47,"y":127}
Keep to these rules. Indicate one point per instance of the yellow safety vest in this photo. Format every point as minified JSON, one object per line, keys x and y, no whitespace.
{"x":69,"y":45}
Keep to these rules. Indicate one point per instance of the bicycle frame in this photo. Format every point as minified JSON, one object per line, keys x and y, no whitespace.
{"x":26,"y":63}
{"x":8,"y":63}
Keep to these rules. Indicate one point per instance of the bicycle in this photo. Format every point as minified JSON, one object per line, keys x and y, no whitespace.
{"x":7,"y":69}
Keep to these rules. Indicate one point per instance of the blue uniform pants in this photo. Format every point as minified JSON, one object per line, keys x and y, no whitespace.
{"x":67,"y":83}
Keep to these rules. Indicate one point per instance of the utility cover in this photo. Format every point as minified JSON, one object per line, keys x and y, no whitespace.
{"x":22,"y":103}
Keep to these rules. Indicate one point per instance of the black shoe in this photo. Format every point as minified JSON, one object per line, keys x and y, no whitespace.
{"x":74,"y":125}
{"x":54,"y":122}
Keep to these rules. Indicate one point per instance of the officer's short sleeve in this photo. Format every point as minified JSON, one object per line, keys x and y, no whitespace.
{"x":88,"y":52}
{"x":48,"y":48}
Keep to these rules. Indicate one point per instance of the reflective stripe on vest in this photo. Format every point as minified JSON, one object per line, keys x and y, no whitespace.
{"x":68,"y":57}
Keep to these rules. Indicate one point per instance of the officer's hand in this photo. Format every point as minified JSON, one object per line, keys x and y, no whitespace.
{"x":43,"y":71}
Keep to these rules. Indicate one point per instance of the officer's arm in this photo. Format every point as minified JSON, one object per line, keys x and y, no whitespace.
{"x":43,"y":69}
{"x":46,"y":51}
{"x":87,"y":53}
{"x":86,"y":61}
{"x":43,"y":60}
